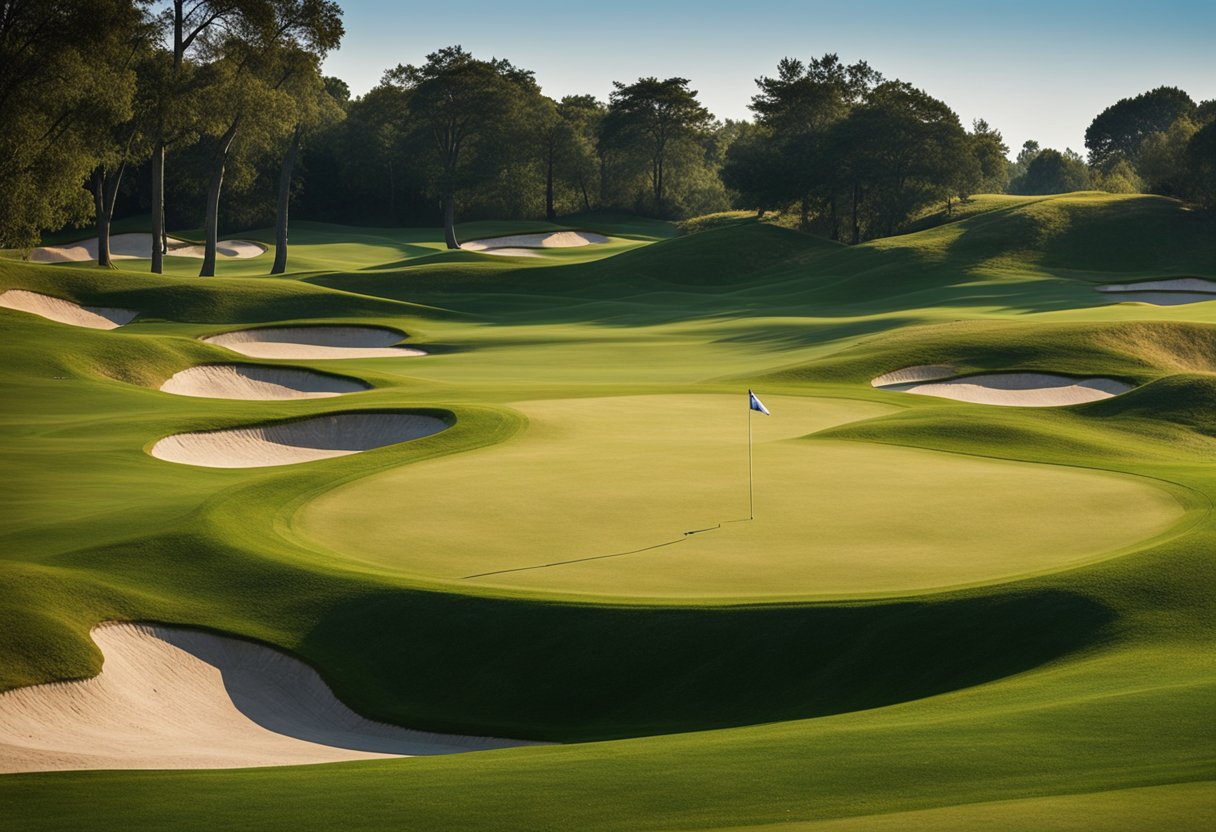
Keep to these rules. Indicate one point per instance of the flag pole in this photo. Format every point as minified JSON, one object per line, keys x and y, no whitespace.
{"x":751,"y":505}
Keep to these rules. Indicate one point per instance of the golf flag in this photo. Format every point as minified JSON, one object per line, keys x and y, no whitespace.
{"x":756,"y":404}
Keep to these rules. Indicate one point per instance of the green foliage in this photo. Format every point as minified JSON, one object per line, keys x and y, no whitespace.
{"x":1119,"y":131}
{"x":65,"y":81}
{"x":1052,"y":172}
{"x":660,"y":123}
{"x":1201,"y":165}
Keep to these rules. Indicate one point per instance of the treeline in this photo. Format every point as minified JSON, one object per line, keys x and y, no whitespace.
{"x":214,"y":114}
{"x":459,"y":134}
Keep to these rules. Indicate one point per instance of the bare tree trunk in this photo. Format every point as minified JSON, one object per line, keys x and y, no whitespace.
{"x":158,"y":208}
{"x":856,"y":225}
{"x":212,"y":222}
{"x":835,"y":218}
{"x":105,"y":193}
{"x":280,"y":232}
{"x":582,"y":185}
{"x":804,"y":213}
{"x":449,"y":219}
{"x":99,"y":211}
{"x":550,"y":213}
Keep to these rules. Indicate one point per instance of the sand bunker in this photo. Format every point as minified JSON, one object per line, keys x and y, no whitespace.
{"x":521,"y":245}
{"x":65,"y":311}
{"x":1013,"y":389}
{"x":139,"y":246}
{"x":174,"y":698}
{"x":241,"y":381}
{"x":921,"y":372}
{"x":316,"y":342}
{"x":303,"y":440}
{"x":1164,"y":292}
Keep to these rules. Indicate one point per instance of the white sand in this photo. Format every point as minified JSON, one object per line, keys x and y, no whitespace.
{"x":315,"y":342}
{"x":65,"y":311}
{"x":174,"y":698}
{"x":921,"y":372}
{"x":519,"y":245}
{"x":1172,"y":292}
{"x":1016,"y":389}
{"x":240,"y":381}
{"x":303,"y":440}
{"x":139,"y":247}
{"x":1181,"y":284}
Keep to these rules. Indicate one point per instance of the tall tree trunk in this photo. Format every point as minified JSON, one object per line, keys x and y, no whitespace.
{"x":99,"y":211}
{"x":212,"y":222}
{"x":582,"y":186}
{"x":449,"y":219}
{"x":658,"y":183}
{"x":804,"y":213}
{"x":550,"y":214}
{"x":105,"y":194}
{"x":856,"y":225}
{"x":158,"y":207}
{"x":834,"y":217}
{"x":280,"y":225}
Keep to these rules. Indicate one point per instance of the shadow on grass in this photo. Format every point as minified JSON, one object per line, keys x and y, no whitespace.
{"x":574,"y":673}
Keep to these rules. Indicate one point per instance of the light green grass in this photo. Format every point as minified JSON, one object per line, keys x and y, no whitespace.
{"x":1018,"y":701}
{"x":577,"y":502}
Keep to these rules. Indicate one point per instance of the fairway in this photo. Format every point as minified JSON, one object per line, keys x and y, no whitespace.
{"x":597,"y":495}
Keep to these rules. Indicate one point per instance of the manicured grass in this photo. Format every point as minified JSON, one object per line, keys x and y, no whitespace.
{"x":599,"y":403}
{"x":595,"y":483}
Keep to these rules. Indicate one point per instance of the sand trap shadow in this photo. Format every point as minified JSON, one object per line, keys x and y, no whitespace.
{"x":250,"y":382}
{"x":65,"y":311}
{"x":177,"y":698}
{"x":313,"y":342}
{"x":1173,"y":292}
{"x":522,"y":245}
{"x":297,"y":441}
{"x":137,"y":246}
{"x":1002,"y":389}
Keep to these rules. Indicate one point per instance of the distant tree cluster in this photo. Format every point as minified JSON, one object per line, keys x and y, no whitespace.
{"x":464,"y":136}
{"x":855,"y":155}
{"x":214,"y":114}
{"x":1159,"y":142}
{"x":92,"y":88}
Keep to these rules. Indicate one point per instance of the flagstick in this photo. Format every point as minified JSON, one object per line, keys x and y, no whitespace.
{"x":751,"y":505}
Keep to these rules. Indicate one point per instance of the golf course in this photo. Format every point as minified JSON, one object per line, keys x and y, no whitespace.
{"x":639,"y":418}
{"x":502,"y":502}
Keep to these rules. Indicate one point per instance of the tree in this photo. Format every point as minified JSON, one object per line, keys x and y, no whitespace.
{"x":65,"y":80}
{"x":315,"y":105}
{"x":126,"y":143}
{"x":183,"y":28}
{"x":1119,"y":131}
{"x":989,"y":150}
{"x":653,"y":116}
{"x":582,"y":115}
{"x":795,"y":113}
{"x":458,"y":108}
{"x":1201,"y":166}
{"x":1053,"y":172}
{"x":1162,"y":161}
{"x":900,"y":151}
{"x":272,"y":45}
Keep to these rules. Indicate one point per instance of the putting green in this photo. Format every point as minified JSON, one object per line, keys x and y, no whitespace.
{"x":597,"y":495}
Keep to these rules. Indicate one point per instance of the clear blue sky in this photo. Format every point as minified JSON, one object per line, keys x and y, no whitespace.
{"x":1033,"y":69}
